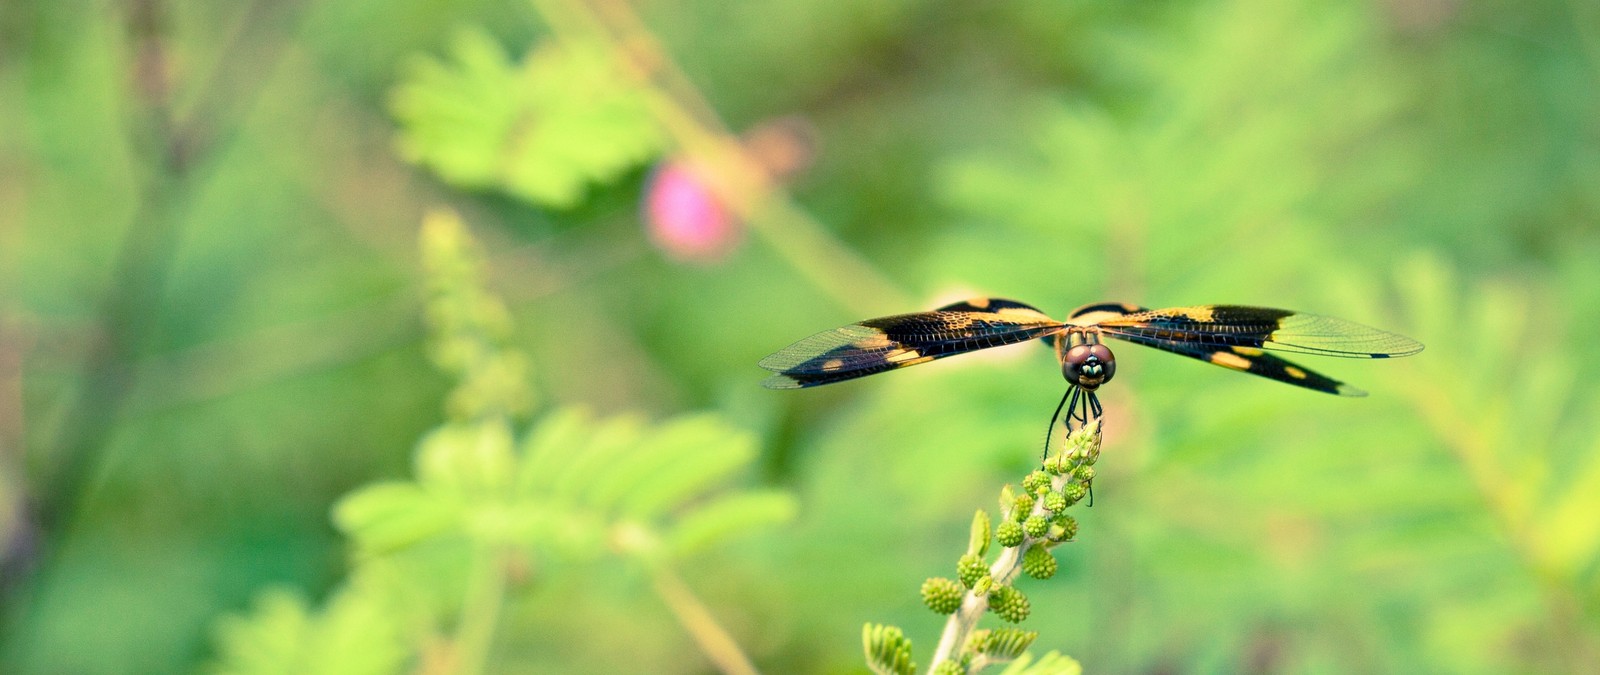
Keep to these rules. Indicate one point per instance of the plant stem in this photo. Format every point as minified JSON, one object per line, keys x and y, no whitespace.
{"x":480,"y":613}
{"x":696,"y":618}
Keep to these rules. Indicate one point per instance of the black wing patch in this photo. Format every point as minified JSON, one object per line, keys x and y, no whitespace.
{"x":1214,"y":326}
{"x":1254,"y":361}
{"x":878,"y":345}
{"x":994,"y":305}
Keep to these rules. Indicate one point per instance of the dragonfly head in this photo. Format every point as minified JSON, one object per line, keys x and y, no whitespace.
{"x":1088,"y":365}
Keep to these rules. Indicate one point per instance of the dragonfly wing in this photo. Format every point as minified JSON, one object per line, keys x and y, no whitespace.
{"x":891,"y":342}
{"x":1260,"y":328}
{"x":1254,"y":361}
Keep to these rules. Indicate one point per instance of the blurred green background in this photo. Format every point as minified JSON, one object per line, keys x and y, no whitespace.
{"x":212,"y":302}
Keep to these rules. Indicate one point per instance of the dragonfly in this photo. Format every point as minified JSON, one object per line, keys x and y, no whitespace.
{"x":1237,"y":337}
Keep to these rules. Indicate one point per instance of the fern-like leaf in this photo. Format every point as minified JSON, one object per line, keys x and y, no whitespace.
{"x":1052,"y":663}
{"x":1002,"y":644}
{"x":353,"y":635}
{"x":541,"y":129}
{"x":888,"y":650}
{"x":726,"y":516}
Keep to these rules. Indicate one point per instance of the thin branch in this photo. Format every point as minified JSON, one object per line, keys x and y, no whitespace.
{"x":696,"y":618}
{"x":480,"y":614}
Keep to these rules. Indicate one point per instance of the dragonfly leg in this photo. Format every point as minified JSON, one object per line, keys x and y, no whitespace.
{"x":1048,"y":432}
{"x":1098,"y":413}
{"x":1078,"y":409}
{"x":1076,"y":394}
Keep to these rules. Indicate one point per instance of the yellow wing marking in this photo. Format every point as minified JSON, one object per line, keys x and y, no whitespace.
{"x":1230,"y":360}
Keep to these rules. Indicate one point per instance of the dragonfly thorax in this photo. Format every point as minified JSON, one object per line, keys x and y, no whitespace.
{"x":1084,"y":361}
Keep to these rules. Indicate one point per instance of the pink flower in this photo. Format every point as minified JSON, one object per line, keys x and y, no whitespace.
{"x":685,"y":219}
{"x":683,"y":215}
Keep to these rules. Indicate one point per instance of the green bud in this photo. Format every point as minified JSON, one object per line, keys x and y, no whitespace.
{"x":1088,"y":442}
{"x":1084,"y":474}
{"x":1074,"y":493}
{"x":1038,"y":563}
{"x":1055,"y":502}
{"x":1035,"y":526}
{"x":1009,"y":604}
{"x":1022,"y":507}
{"x":941,"y":595}
{"x":951,"y":667}
{"x":1069,"y":527}
{"x":1035,"y":482}
{"x":1008,"y":534}
{"x":970,"y":569}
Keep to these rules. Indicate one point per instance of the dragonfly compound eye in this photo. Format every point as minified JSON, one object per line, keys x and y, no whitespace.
{"x":1088,"y":366}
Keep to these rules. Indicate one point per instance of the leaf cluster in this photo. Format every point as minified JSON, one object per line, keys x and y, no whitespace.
{"x":488,"y":508}
{"x":541,"y":128}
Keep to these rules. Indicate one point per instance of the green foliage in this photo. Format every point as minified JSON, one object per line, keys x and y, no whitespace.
{"x":1051,"y":663}
{"x":482,"y":501}
{"x":888,"y":650}
{"x":541,"y":129}
{"x":1421,"y":166}
{"x":1523,"y":432}
{"x":1001,"y":644}
{"x":353,"y":634}
{"x":576,"y":486}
